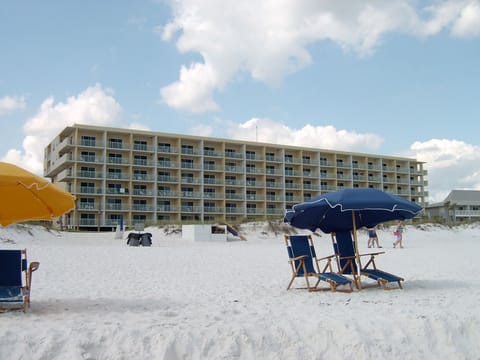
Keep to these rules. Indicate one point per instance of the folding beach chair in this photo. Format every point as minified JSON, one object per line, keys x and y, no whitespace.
{"x":15,"y":279}
{"x":347,"y":261}
{"x":304,"y":264}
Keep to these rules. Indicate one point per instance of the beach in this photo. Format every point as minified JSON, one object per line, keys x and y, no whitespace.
{"x":94,"y":297}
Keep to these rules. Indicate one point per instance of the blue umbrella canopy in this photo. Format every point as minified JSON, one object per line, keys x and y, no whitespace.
{"x":350,"y":209}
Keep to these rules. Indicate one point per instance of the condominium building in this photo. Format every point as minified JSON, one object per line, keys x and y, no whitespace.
{"x":124,"y":176}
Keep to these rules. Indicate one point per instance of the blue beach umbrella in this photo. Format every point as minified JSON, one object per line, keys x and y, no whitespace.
{"x":350,"y":209}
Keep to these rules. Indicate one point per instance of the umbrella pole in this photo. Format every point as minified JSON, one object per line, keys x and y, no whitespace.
{"x":357,"y":254}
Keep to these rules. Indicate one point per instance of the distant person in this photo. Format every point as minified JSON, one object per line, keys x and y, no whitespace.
{"x":398,"y":233}
{"x":373,"y":238}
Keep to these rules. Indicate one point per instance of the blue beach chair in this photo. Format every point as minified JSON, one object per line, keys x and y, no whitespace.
{"x":15,"y":279}
{"x":304,"y":264}
{"x":344,"y":248}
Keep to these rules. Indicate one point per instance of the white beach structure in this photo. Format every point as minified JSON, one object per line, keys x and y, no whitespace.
{"x":204,"y":232}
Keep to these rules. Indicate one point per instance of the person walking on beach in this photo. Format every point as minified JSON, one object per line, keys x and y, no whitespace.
{"x":373,"y":238}
{"x":398,"y":235}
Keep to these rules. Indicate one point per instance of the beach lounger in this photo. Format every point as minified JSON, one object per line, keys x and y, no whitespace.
{"x":304,"y":264}
{"x":347,"y":261}
{"x":15,"y":279}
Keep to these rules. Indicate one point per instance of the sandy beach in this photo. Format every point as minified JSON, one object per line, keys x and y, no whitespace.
{"x":94,"y":297}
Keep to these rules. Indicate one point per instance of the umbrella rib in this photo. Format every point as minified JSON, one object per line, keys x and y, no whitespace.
{"x":29,"y":188}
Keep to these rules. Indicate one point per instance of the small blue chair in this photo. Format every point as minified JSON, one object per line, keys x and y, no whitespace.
{"x":15,"y":279}
{"x":304,"y":264}
{"x":344,"y":248}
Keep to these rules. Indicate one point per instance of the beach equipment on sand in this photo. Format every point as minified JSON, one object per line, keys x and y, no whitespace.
{"x":348,"y":262}
{"x":348,"y":210}
{"x":305,"y":264}
{"x":15,"y":279}
{"x":26,"y":196}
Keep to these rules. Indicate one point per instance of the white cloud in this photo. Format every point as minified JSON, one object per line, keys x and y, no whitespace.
{"x":451,"y":164}
{"x":94,"y":106}
{"x":269,"y":40}
{"x":468,"y":22}
{"x":324,"y":137}
{"x":9,"y":104}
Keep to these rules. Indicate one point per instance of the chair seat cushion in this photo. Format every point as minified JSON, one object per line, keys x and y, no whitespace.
{"x":338,"y":279}
{"x":378,"y":274}
{"x":12,"y":294}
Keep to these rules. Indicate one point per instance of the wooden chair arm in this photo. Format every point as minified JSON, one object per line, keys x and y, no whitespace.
{"x":34,"y":265}
{"x":326,"y":257}
{"x":373,"y":254}
{"x":301,"y":257}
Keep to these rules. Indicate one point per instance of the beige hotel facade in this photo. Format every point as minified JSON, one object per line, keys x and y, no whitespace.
{"x":127,"y":177}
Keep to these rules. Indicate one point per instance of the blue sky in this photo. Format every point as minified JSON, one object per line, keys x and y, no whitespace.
{"x":395,"y":78}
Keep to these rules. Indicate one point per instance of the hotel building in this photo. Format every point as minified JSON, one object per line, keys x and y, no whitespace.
{"x":125,"y":177}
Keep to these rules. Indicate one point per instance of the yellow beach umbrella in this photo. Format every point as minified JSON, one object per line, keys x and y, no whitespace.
{"x":26,"y":196}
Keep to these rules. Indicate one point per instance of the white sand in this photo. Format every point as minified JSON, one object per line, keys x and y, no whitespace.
{"x":94,"y":297}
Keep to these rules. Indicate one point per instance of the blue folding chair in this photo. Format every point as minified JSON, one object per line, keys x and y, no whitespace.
{"x":15,"y":279}
{"x":304,"y":264}
{"x":344,"y":248}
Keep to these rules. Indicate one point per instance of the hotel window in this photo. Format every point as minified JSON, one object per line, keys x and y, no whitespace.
{"x":230,"y":167}
{"x":209,"y":165}
{"x":139,"y":174}
{"x":87,"y":156}
{"x":209,"y":151}
{"x":87,"y":188}
{"x":250,"y":154}
{"x":187,"y":149}
{"x":163,"y":190}
{"x":209,"y":193}
{"x":187,"y":164}
{"x":164,"y":176}
{"x":140,"y":160}
{"x":115,"y":143}
{"x":187,"y":177}
{"x":187,"y":192}
{"x":163,"y":205}
{"x":114,"y":204}
{"x":140,"y":145}
{"x":208,"y":179}
{"x":114,"y":173}
{"x":87,"y":140}
{"x":87,"y":203}
{"x":139,"y":189}
{"x":229,"y":152}
{"x":87,"y":171}
{"x":115,"y":158}
{"x":164,"y":147}
{"x":230,"y":180}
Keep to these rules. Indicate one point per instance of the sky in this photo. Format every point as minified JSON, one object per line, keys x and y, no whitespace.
{"x":398,"y":77}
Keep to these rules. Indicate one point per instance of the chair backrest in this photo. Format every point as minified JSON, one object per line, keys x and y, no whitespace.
{"x":133,"y":239}
{"x":300,"y":245}
{"x":11,"y":266}
{"x":344,"y":247}
{"x":146,"y":239}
